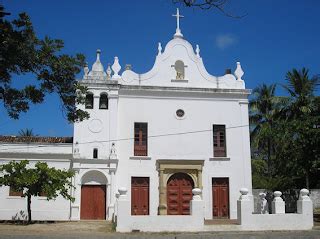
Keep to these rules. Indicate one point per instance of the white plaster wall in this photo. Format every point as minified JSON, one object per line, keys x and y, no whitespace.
{"x":37,"y":148}
{"x":16,"y":207}
{"x":96,"y":132}
{"x":201,"y":114}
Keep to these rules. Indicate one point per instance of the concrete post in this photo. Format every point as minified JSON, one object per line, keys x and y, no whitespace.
{"x":124,"y":211}
{"x":278,"y":205}
{"x":305,"y":207}
{"x":197,"y":208}
{"x":244,"y":207}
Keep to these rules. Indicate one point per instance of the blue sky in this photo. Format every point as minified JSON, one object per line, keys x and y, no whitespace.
{"x":274,"y":37}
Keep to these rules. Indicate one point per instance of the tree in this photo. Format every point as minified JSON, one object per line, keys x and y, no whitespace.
{"x":285,"y":134}
{"x":303,"y":116}
{"x":265,"y":109}
{"x":21,"y":53}
{"x":40,"y":180}
{"x":219,"y":5}
{"x":26,"y":132}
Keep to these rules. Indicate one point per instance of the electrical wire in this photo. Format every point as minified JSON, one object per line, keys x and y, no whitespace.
{"x":126,"y":139}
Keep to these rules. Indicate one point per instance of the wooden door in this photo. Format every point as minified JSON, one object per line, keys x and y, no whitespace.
{"x":139,"y":196}
{"x":179,"y":194}
{"x":220,"y":197}
{"x":93,"y":202}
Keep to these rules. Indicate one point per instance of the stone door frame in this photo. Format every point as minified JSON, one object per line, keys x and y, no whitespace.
{"x":167,"y":168}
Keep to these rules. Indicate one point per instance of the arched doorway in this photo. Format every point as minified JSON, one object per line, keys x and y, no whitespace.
{"x":179,"y":194}
{"x":93,"y":196}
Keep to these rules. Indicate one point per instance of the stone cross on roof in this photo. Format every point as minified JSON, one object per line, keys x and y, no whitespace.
{"x":178,"y":31}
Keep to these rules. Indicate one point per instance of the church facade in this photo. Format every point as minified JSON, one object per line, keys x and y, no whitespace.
{"x":158,"y":134}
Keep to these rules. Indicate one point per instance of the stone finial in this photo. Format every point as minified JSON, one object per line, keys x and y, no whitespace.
{"x":198,"y":50}
{"x":196,"y":194}
{"x":123,"y":193}
{"x":277,"y":196}
{"x":97,"y":68}
{"x":109,"y":71}
{"x":116,"y":67}
{"x":304,"y":195}
{"x":244,"y":194}
{"x":159,"y":49}
{"x":238,"y":72}
{"x":86,"y":70}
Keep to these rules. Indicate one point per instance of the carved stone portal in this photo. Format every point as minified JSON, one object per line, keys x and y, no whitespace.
{"x":167,"y":168}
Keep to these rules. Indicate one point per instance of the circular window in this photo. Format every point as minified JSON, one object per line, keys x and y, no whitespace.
{"x":180,"y":113}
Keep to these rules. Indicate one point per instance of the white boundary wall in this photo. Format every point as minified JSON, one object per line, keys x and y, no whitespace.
{"x":155,"y":223}
{"x":303,"y":220}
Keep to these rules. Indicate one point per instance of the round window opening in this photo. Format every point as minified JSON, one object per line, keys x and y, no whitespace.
{"x":180,"y":113}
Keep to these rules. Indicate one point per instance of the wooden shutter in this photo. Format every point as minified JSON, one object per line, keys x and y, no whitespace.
{"x":15,"y":193}
{"x":220,"y":197}
{"x":140,"y":139}
{"x":219,"y":141}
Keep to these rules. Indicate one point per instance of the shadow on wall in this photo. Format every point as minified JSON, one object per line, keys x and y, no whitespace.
{"x":20,"y":216}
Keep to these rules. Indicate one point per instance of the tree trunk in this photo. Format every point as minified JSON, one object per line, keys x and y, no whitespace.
{"x":29,"y":208}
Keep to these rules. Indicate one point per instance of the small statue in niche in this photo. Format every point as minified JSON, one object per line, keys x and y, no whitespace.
{"x":179,"y":67}
{"x":113,"y":154}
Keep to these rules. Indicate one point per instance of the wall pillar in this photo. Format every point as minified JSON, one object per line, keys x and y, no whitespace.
{"x":162,"y":194}
{"x":76,"y":193}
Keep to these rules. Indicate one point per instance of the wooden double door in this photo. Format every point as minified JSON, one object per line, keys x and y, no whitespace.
{"x":220,"y":197}
{"x":179,"y":194}
{"x":93,"y":202}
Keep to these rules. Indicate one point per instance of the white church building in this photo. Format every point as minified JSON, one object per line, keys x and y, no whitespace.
{"x":159,"y":135}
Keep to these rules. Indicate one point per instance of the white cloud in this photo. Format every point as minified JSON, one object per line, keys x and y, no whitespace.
{"x":225,"y":40}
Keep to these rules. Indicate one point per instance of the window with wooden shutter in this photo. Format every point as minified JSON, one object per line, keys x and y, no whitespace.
{"x":15,"y":193}
{"x":219,"y":141}
{"x":140,"y":139}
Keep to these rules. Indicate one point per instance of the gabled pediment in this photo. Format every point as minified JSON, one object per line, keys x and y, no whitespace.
{"x":180,"y":65}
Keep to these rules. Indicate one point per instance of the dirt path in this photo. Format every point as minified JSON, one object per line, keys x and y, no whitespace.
{"x":81,"y":227}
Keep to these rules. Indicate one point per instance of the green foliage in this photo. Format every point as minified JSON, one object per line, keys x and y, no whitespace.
{"x":22,"y":52}
{"x":37,"y":180}
{"x":26,"y":132}
{"x":285,"y":134}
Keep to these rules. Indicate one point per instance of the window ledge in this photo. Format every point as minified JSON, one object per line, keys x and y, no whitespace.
{"x":185,"y":81}
{"x":220,"y":159}
{"x":15,"y":197}
{"x":140,"y":157}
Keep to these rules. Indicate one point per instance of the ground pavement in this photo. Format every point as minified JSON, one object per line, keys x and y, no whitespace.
{"x":102,"y":229}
